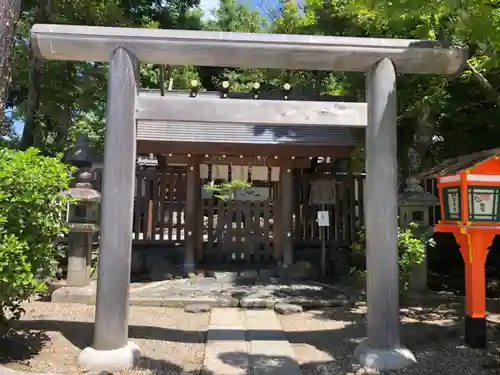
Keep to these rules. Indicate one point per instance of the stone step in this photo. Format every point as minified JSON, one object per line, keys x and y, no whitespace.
{"x":247,"y":342}
{"x":270,"y":353}
{"x":226,"y":351}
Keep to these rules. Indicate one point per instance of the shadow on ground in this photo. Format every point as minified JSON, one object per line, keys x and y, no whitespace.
{"x":437,"y":344}
{"x":22,"y":344}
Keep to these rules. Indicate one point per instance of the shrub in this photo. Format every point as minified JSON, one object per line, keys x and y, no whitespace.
{"x":31,"y":220}
{"x":227,"y":190}
{"x":412,"y":244}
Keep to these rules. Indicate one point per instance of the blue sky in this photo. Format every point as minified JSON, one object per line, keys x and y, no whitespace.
{"x":208,"y":5}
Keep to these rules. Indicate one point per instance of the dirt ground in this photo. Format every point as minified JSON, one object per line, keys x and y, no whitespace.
{"x":324,"y":341}
{"x":50,"y":336}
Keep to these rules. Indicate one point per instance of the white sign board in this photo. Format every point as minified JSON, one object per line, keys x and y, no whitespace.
{"x":484,"y":204}
{"x":453,"y":203}
{"x":252,"y":194}
{"x":323,"y":219}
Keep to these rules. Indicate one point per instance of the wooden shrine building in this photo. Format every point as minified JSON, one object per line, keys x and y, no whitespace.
{"x":173,"y":209}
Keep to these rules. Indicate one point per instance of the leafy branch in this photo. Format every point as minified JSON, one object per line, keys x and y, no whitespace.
{"x":227,"y":190}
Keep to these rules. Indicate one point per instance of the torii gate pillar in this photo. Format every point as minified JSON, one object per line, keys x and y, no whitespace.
{"x":382,"y":350}
{"x":111,"y":350}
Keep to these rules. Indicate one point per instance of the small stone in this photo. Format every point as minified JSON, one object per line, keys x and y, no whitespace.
{"x":197,"y":308}
{"x":191,"y":275}
{"x":249,"y":275}
{"x":287,"y":308}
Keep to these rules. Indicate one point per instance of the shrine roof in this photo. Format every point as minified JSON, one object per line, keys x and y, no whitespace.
{"x":457,"y":164}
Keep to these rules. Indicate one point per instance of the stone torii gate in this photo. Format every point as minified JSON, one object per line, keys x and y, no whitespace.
{"x":125,"y":48}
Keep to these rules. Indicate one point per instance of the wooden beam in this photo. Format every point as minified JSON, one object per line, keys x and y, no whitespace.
{"x":245,"y":50}
{"x":250,"y":112}
{"x":265,"y":95}
{"x":161,"y":147}
{"x":236,"y":160}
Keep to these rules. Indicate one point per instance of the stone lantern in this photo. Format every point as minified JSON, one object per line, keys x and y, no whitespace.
{"x":83,"y":216}
{"x":414,"y":203}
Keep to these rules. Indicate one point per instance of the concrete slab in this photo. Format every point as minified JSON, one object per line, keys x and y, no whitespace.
{"x":270,"y":352}
{"x":85,"y":295}
{"x":227,"y":318}
{"x":226,"y":358}
{"x":226,"y":351}
{"x":180,"y":302}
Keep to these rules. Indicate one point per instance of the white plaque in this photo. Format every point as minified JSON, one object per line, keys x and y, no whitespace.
{"x":482,"y":204}
{"x":453,"y":203}
{"x":323,"y":219}
{"x":252,"y":194}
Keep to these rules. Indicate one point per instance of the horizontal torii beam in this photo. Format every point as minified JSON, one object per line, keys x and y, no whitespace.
{"x":250,"y":112}
{"x":245,"y":50}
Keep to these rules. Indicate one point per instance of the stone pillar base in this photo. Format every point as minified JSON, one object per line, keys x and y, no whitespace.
{"x":384,"y":359}
{"x":97,"y":361}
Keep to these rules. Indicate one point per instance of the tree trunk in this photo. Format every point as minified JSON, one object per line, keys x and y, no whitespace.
{"x":9,"y":15}
{"x":483,"y":81}
{"x":32,"y":135}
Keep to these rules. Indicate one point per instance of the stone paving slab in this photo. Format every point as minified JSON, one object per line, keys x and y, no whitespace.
{"x":218,"y":293}
{"x":226,"y":350}
{"x":226,"y":358}
{"x":270,"y":352}
{"x":227,"y":318}
{"x":248,"y":342}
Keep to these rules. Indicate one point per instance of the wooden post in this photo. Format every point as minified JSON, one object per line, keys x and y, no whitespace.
{"x":382,"y":349}
{"x":191,"y":218}
{"x":111,"y":316}
{"x":151,"y":190}
{"x":286,"y":214}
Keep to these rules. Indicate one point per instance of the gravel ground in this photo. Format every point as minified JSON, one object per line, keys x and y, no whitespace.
{"x":50,"y":337}
{"x":324,"y":342}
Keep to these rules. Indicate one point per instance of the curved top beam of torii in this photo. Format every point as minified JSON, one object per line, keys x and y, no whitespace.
{"x":246,"y":50}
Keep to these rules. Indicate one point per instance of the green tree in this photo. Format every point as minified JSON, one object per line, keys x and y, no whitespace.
{"x":59,"y":99}
{"x":9,"y":15}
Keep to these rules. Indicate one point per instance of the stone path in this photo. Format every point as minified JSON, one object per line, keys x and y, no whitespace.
{"x":218,"y":292}
{"x":241,"y":342}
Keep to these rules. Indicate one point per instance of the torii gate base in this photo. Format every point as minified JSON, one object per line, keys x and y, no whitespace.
{"x":111,"y":350}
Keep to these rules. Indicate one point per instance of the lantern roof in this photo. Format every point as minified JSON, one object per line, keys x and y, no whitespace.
{"x":415,"y":195}
{"x":477,"y":160}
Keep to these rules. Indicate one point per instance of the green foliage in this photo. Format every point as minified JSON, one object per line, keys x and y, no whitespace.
{"x":460,"y":111}
{"x":31,"y":220}
{"x":412,"y":244}
{"x":226,"y":191}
